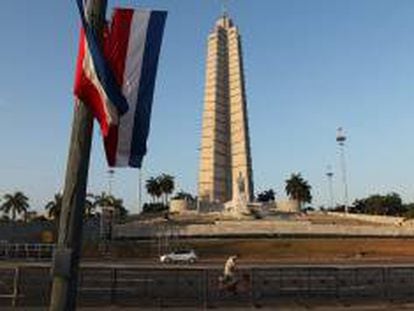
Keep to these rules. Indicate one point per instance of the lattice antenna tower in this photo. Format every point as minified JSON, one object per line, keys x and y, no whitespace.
{"x":340,"y":139}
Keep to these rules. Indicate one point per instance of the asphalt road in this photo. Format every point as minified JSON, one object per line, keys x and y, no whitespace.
{"x":203,"y":264}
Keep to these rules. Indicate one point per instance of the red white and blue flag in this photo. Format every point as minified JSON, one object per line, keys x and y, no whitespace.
{"x":117,"y":79}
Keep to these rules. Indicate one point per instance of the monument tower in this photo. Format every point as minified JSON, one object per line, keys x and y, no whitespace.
{"x":225,"y":160}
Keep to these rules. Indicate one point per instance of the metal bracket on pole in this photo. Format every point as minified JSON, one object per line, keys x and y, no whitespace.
{"x":62,"y":262}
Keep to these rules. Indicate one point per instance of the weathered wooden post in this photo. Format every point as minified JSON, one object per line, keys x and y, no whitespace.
{"x":66,"y":260}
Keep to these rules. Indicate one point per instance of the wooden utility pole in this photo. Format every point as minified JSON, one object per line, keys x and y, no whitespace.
{"x":66,"y":260}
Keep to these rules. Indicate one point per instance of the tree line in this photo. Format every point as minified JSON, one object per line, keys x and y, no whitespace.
{"x":296,"y":188}
{"x":391,"y":204}
{"x":387,"y":205}
{"x":16,"y":204}
{"x":159,"y":189}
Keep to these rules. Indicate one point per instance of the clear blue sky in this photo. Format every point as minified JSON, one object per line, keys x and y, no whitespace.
{"x":311,"y":66}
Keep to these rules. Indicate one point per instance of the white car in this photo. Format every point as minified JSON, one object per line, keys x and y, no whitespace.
{"x":187,"y":256}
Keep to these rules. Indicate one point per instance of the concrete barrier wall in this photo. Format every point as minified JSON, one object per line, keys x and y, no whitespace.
{"x":34,"y":232}
{"x":288,"y":206}
{"x":179,"y":206}
{"x":379,"y":219}
{"x":264,"y":227}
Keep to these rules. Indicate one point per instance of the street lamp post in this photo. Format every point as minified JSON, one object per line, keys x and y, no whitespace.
{"x":111,"y":173}
{"x":340,"y":139}
{"x":330,"y":174}
{"x":106,"y":218}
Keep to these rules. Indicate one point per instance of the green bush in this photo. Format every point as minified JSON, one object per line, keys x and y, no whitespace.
{"x":154,"y":207}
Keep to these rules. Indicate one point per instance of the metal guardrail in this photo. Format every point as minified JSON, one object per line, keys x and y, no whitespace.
{"x":26,"y":250}
{"x":11,"y":291}
{"x":131,"y":287}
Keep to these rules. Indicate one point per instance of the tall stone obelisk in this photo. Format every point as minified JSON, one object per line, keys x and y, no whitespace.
{"x":225,"y":159}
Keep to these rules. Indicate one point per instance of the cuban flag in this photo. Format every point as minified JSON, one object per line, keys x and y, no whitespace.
{"x":117,"y":79}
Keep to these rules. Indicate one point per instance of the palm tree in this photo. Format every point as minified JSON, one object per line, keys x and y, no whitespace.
{"x":15,"y":204}
{"x":153,"y":188}
{"x":166,"y":183}
{"x":107,"y":200}
{"x":298,"y":189}
{"x":102,"y":200}
{"x":54,"y":207}
{"x":118,"y":206}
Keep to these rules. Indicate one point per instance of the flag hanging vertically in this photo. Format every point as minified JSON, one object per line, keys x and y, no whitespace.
{"x":132,"y":48}
{"x":95,"y":84}
{"x":127,"y":63}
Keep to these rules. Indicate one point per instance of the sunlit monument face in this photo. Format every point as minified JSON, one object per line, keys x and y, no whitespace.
{"x":225,"y":146}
